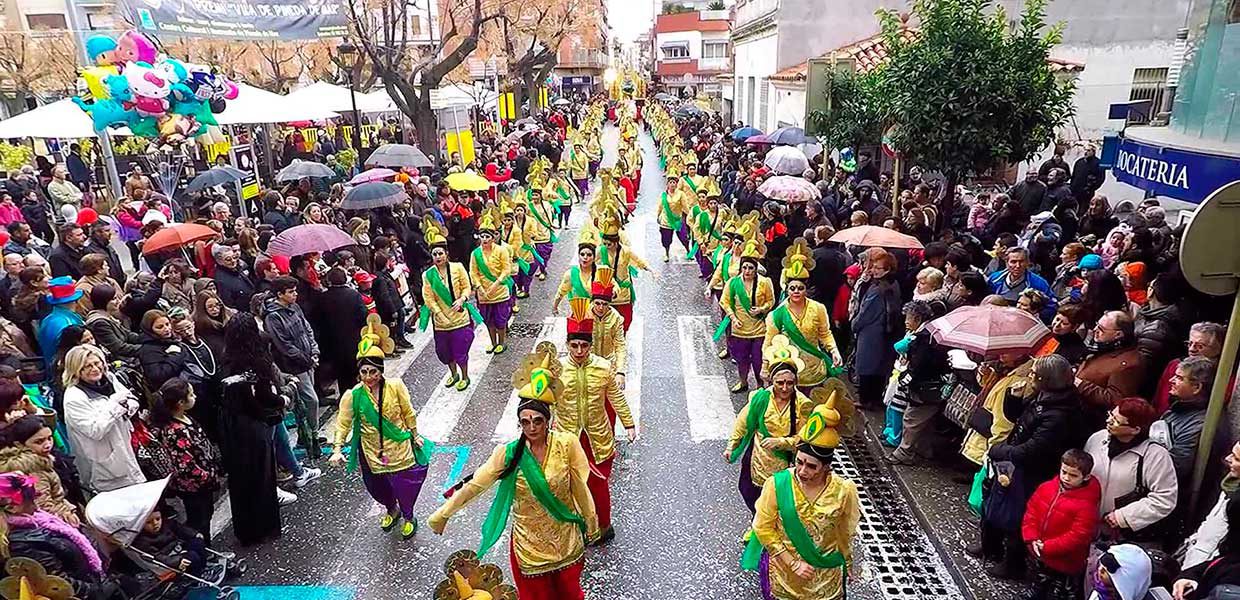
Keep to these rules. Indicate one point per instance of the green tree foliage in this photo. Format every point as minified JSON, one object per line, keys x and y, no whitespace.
{"x":15,"y":156}
{"x":716,"y":5}
{"x":970,"y":90}
{"x":856,"y":114}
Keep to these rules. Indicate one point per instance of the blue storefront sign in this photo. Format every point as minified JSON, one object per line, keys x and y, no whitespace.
{"x":1171,"y":172}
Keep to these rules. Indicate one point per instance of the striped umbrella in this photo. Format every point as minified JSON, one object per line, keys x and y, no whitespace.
{"x":989,"y":330}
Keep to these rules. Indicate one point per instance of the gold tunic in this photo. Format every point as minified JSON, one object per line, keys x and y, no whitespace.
{"x":718,"y":277}
{"x":540,"y":542}
{"x":586,"y":279}
{"x":515,"y":239}
{"x":623,"y":281}
{"x":815,"y":326}
{"x":499,"y":261}
{"x":609,"y":340}
{"x":675,"y":202}
{"x":763,"y":462}
{"x":831,"y":520}
{"x":397,"y":410}
{"x":535,"y":232}
{"x":442,"y":315}
{"x":744,"y":324}
{"x":582,"y":407}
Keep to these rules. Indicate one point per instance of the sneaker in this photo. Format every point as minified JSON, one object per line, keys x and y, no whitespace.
{"x":387,"y":521}
{"x":462,"y":384}
{"x":452,"y":379}
{"x":408,"y":528}
{"x":723,"y":354}
{"x":285,"y":498}
{"x":542,"y":276}
{"x":975,"y":549}
{"x":307,"y":475}
{"x":283,"y":476}
{"x":516,"y":309}
{"x":740,"y":387}
{"x":499,"y":349}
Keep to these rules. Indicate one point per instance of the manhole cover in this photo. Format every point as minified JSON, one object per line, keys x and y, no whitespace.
{"x":905,"y":562}
{"x":524,"y":330}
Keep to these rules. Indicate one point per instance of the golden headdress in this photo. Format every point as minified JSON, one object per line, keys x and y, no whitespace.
{"x":588,"y":237}
{"x":754,"y":248}
{"x":28,"y":579}
{"x":489,"y":221}
{"x":469,"y":579}
{"x":376,"y":342}
{"x":609,"y":224}
{"x":821,"y":433}
{"x":434,"y":232}
{"x":798,"y":261}
{"x":506,"y":205}
{"x":780,"y":354}
{"x":601,"y":287}
{"x":748,"y":226}
{"x":538,"y":375}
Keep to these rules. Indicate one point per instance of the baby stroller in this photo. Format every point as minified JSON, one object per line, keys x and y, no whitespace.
{"x":121,"y":514}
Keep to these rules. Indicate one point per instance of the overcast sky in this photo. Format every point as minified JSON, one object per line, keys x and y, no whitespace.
{"x":629,"y":18}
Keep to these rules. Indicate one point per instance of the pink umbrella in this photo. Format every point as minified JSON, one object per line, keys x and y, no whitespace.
{"x":870,"y":236}
{"x":758,"y":139}
{"x":989,"y":330}
{"x":789,"y":189}
{"x":374,"y":174}
{"x":304,"y":239}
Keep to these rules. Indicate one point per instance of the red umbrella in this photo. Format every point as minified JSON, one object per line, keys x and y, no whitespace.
{"x":177,"y":236}
{"x":989,"y":330}
{"x":758,"y":139}
{"x":871,"y":236}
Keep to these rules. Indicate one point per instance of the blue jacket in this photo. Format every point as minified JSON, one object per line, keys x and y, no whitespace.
{"x":998,"y":285}
{"x":52,"y":326}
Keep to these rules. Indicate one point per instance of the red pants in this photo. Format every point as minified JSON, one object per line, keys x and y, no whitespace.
{"x":626,"y":313}
{"x":564,"y":584}
{"x":600,"y":487}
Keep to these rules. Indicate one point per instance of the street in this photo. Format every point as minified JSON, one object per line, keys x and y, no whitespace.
{"x":679,"y":519}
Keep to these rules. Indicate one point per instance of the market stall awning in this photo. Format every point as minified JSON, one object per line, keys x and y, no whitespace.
{"x":255,"y":106}
{"x":60,"y":119}
{"x":328,"y":96}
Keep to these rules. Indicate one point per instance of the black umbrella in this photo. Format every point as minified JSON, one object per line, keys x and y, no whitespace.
{"x":216,"y":176}
{"x":374,"y":195}
{"x":689,"y":110}
{"x":397,"y":156}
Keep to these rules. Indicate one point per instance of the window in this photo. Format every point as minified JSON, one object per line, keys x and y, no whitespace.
{"x":46,"y":22}
{"x":1147,"y":84}
{"x":749,"y":102}
{"x":714,"y":49}
{"x":97,"y":20}
{"x":673,"y":51}
{"x":764,"y":91}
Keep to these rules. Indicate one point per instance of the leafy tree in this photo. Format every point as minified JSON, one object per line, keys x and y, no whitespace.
{"x":856,"y":114}
{"x":970,"y":91}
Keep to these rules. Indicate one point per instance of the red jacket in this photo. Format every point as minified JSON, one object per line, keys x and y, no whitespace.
{"x":1065,"y":521}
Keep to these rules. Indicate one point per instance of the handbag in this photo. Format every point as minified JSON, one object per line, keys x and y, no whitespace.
{"x":1152,"y":536}
{"x":961,"y":403}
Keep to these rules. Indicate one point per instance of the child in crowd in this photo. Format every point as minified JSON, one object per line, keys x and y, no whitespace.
{"x":172,"y":543}
{"x":1060,"y":521}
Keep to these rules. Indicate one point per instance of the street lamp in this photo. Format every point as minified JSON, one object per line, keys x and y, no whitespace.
{"x":349,"y":50}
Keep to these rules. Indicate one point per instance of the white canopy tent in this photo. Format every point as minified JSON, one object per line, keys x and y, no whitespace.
{"x":328,"y":96}
{"x":450,"y":95}
{"x":60,"y":119}
{"x":255,"y":106}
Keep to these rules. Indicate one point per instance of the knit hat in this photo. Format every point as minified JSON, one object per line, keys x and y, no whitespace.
{"x":1090,"y":262}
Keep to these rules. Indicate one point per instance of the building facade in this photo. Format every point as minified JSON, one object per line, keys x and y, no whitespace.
{"x":691,"y":51}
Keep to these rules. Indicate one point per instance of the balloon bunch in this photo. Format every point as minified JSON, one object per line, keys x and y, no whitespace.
{"x":155,"y":95}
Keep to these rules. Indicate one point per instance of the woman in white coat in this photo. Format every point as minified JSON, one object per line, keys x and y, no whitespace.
{"x":1119,"y":452}
{"x":98,"y":410}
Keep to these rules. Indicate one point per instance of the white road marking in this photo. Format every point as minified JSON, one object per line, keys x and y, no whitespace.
{"x":706,"y":396}
{"x":439,"y":416}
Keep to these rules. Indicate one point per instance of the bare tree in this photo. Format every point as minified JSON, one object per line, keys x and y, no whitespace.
{"x":279,"y":65}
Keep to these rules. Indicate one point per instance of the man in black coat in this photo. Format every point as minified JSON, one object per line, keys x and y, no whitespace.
{"x":100,"y":242}
{"x":232,"y":280}
{"x":830,"y":260}
{"x":66,"y":258}
{"x":1029,"y":193}
{"x":1087,"y":176}
{"x":340,"y":334}
{"x":1055,"y":162}
{"x":1058,"y":194}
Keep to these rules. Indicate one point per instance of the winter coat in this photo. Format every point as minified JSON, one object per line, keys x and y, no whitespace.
{"x":1203,"y":544}
{"x":161,"y":359}
{"x":114,"y":337}
{"x":1108,"y":377}
{"x":341,"y":333}
{"x":1028,"y":195}
{"x":927,"y":364}
{"x":99,"y":432}
{"x":66,"y":261}
{"x":235,"y":287}
{"x":976,"y":445}
{"x":1160,"y":335}
{"x":999,"y":285}
{"x":1178,"y":431}
{"x":1118,"y":478}
{"x":874,"y":326}
{"x":50,"y":495}
{"x":1065,"y":521}
{"x":387,"y":297}
{"x":1211,"y":575}
{"x":1046,"y":428}
{"x":115,"y":269}
{"x":292,"y":339}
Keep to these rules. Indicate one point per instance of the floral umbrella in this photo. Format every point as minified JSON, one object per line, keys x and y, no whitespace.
{"x":789,"y":189}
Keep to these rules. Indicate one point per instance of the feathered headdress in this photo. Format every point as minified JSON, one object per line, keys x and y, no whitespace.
{"x":470,"y":579}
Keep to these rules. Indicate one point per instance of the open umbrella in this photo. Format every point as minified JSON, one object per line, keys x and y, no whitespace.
{"x":304,"y":169}
{"x":468,"y":182}
{"x":689,"y":110}
{"x":787,"y":160}
{"x":398,"y":155}
{"x":989,"y":330}
{"x":758,"y":139}
{"x":519,"y":134}
{"x":177,"y":236}
{"x":744,"y":133}
{"x":312,"y":237}
{"x":872,"y":235}
{"x":789,"y":136}
{"x":369,"y":175}
{"x":561,"y":102}
{"x":789,"y":189}
{"x":664,"y":97}
{"x":374,"y":195}
{"x":215,"y":176}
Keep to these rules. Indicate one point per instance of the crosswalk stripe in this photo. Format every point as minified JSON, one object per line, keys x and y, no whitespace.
{"x":553,"y":330}
{"x":706,"y":396}
{"x":439,"y":416}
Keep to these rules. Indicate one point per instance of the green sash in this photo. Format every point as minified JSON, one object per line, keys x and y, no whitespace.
{"x":480,"y":260}
{"x":784,"y":323}
{"x":543,"y":222}
{"x":437,"y":285}
{"x":533,"y":252}
{"x":796,"y":532}
{"x":737,"y":286}
{"x":755,"y":421}
{"x":692,"y":186}
{"x":673,"y":221}
{"x":579,"y":289}
{"x":628,"y":283}
{"x":364,"y":408}
{"x":501,"y":507}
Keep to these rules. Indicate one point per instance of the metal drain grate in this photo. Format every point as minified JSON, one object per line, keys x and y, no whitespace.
{"x":905,"y":563}
{"x":524,"y":330}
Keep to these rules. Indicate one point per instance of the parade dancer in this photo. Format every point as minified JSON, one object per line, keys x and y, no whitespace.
{"x":524,"y":255}
{"x":764,"y":432}
{"x":671,"y":218}
{"x":539,"y":231}
{"x":557,"y":192}
{"x":579,"y":168}
{"x":591,"y":393}
{"x":383,"y":426}
{"x":706,"y":228}
{"x":806,"y":322}
{"x":577,"y":279}
{"x":445,"y":294}
{"x":542,"y":485}
{"x":490,"y":268}
{"x":608,"y":340}
{"x":746,"y":300}
{"x":806,"y":517}
{"x":626,"y":264}
{"x":594,"y":150}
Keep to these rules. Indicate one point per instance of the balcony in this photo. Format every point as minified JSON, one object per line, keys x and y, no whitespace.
{"x":714,"y":64}
{"x":583,"y":59}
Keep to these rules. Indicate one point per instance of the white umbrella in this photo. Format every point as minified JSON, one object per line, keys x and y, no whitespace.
{"x":787,"y":160}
